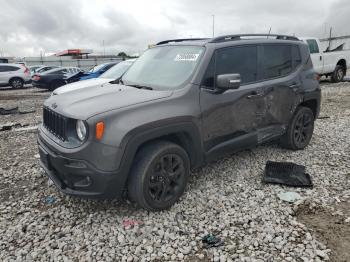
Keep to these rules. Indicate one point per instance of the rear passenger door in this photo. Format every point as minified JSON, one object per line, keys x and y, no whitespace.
{"x":230,"y":119}
{"x":279,"y":65}
{"x":6,"y":72}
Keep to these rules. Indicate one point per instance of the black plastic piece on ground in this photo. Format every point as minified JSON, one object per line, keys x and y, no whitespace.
{"x":286,"y":173}
{"x":8,"y":111}
{"x":212,"y":241}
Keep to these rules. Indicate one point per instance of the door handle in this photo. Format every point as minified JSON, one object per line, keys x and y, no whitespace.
{"x":255,"y":94}
{"x":294,"y":86}
{"x":320,"y":58}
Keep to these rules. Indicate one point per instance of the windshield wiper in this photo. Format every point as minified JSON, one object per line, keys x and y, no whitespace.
{"x":141,"y":87}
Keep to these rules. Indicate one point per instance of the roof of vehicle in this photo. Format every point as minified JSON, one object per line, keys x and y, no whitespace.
{"x":231,"y":39}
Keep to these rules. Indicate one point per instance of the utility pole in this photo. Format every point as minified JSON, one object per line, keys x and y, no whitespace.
{"x":213,"y":25}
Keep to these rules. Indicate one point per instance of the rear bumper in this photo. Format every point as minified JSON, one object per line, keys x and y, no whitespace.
{"x":78,"y":177}
{"x":39,"y":85}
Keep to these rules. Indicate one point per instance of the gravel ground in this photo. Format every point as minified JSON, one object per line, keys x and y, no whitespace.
{"x":226,"y":199}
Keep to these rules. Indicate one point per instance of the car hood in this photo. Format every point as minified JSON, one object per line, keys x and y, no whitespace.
{"x":99,"y":99}
{"x":81,"y":84}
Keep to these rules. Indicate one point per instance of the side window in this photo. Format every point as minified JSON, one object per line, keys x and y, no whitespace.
{"x":13,"y":68}
{"x":296,"y":56}
{"x":208,"y":80}
{"x":238,"y":60}
{"x":8,"y":68}
{"x":313,"y":46}
{"x":276,"y":60}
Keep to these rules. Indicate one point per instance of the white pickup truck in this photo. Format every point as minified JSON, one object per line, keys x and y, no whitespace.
{"x":328,"y":63}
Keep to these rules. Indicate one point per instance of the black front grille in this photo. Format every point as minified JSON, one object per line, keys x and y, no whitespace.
{"x":55,"y":123}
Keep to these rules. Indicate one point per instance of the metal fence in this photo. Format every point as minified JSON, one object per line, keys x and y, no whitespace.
{"x":85,"y":63}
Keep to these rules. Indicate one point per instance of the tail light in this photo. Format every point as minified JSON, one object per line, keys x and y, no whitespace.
{"x":317,"y":77}
{"x":36,"y":78}
{"x":26,"y":70}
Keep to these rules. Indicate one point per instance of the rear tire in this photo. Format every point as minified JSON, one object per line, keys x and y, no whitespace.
{"x":300,"y":129}
{"x":159,"y":175}
{"x":17,"y":83}
{"x":338,"y":74}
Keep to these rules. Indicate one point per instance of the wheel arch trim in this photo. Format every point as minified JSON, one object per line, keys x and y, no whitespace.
{"x":185,"y":134}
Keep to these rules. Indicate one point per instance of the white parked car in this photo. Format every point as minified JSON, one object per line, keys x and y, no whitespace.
{"x":112,"y":74}
{"x":15,"y":75}
{"x":328,"y":63}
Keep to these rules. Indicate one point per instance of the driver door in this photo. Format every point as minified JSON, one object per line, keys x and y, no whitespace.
{"x":230,"y":119}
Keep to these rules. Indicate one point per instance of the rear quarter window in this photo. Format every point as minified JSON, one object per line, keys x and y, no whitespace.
{"x":8,"y":68}
{"x":296,"y":56}
{"x":276,"y":61}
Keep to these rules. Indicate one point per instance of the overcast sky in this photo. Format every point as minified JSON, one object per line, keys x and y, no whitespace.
{"x":28,"y":27}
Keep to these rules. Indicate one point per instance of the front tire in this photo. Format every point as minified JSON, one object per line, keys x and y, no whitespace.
{"x":338,"y":74}
{"x":159,"y":175}
{"x":300,"y":129}
{"x":17,"y":83}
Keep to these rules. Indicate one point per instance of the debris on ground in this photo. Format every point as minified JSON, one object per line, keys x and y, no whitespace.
{"x":323,"y":117}
{"x":290,"y":197}
{"x":10,"y":126}
{"x":212,"y":241}
{"x":50,"y":200}
{"x":286,"y":173}
{"x":128,"y":223}
{"x":14,"y":110}
{"x":8,"y":111}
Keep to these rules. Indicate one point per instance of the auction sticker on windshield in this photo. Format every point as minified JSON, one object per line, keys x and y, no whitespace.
{"x":186,"y":57}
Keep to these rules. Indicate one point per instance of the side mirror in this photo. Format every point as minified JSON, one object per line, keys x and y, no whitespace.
{"x":228,"y":81}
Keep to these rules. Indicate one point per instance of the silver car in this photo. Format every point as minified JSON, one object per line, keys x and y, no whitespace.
{"x":15,"y":75}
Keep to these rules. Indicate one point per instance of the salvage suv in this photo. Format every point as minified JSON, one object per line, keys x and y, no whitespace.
{"x":183,"y":103}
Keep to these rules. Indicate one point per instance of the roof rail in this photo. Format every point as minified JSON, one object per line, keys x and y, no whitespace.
{"x":180,"y":40}
{"x":238,"y":37}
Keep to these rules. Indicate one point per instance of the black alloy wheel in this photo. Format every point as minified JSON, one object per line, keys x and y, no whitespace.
{"x":300,"y":129}
{"x":166,"y":177}
{"x":159,"y":175}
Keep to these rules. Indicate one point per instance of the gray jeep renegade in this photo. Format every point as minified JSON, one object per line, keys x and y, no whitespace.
{"x":183,"y":103}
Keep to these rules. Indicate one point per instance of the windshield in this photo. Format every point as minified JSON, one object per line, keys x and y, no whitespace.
{"x":96,"y":68}
{"x":117,"y":71}
{"x":166,"y":67}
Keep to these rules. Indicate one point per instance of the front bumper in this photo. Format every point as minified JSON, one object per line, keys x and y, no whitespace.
{"x":78,"y":177}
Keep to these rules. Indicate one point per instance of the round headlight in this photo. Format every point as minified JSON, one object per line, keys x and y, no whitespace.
{"x":81,"y":130}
